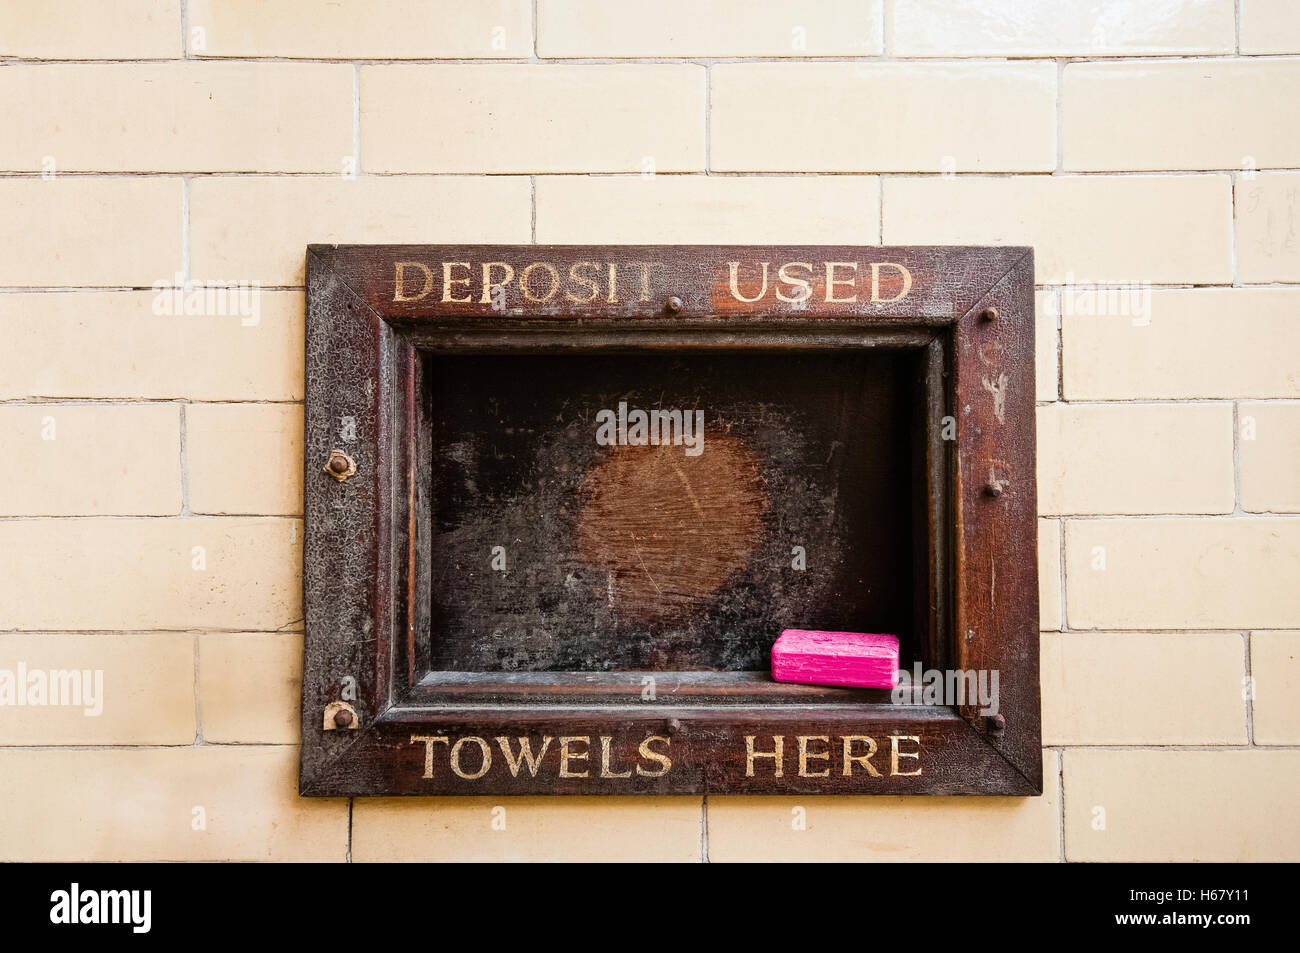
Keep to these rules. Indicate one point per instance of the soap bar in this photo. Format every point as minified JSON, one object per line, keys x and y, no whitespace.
{"x":859,"y":659}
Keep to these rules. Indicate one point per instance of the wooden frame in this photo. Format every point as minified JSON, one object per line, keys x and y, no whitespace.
{"x":374,"y":722}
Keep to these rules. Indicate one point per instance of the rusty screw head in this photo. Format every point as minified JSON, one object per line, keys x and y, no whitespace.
{"x":996,"y":722}
{"x":674,"y":726}
{"x":340,"y":466}
{"x":673,"y":304}
{"x":989,"y":314}
{"x":339,"y":714}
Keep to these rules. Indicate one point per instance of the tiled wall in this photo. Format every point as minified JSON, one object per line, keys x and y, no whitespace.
{"x":150,"y":512}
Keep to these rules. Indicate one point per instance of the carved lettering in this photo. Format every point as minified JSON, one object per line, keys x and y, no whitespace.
{"x":399,"y":280}
{"x":571,"y":757}
{"x":748,"y":282}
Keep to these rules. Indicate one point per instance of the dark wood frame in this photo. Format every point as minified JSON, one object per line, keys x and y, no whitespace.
{"x":970,"y":312}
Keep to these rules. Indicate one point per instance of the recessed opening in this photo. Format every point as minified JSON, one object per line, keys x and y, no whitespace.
{"x":668,"y":513}
{"x":535,"y":552}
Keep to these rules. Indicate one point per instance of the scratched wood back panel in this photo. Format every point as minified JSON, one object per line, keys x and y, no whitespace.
{"x":554,"y":550}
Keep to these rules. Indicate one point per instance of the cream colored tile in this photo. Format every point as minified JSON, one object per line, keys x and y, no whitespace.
{"x":74,"y":231}
{"x":257,"y":228}
{"x":91,"y":29}
{"x":112,"y":344}
{"x":1061,"y":28}
{"x":92,"y":459}
{"x":1270,"y":26}
{"x":691,"y":209}
{"x":653,"y":829}
{"x":1195,"y":115}
{"x":589,"y":118}
{"x":90,"y":574}
{"x":245,"y":458}
{"x":1132,"y":688}
{"x":101,"y":689}
{"x":1135,"y":458}
{"x":164,"y":804}
{"x":1049,"y":575}
{"x":725,"y":28}
{"x":178,"y":117}
{"x":846,"y":117}
{"x":1268,"y":227}
{"x":363,"y":29}
{"x":1182,"y":573}
{"x":1181,"y":805}
{"x":764,"y":829}
{"x":1275,"y":669}
{"x":1194,"y":343}
{"x":250,"y":687}
{"x":1269,"y":451}
{"x":1046,"y":339}
{"x":1161,"y":229}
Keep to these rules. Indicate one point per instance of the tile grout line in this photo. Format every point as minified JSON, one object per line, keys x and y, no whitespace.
{"x":356,"y":120}
{"x":1248,"y":638}
{"x":704,"y":829}
{"x":880,"y":209}
{"x":1064,"y":603}
{"x":1058,"y":305}
{"x":1060,"y":118}
{"x":1233,"y":182}
{"x":198,"y":703}
{"x":533,"y":57}
{"x":1060,"y":780}
{"x":185,"y":231}
{"x":185,"y":467}
{"x":1236,"y":461}
{"x":708,"y":118}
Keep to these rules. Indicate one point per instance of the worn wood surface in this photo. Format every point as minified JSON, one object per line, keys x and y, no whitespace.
{"x":412,"y":386}
{"x":649,"y":557}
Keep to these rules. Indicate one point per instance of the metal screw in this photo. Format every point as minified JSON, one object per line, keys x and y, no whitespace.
{"x":673,"y":304}
{"x":674,"y":726}
{"x":339,"y":714}
{"x":340,"y":466}
{"x":996,"y":722}
{"x":989,"y":314}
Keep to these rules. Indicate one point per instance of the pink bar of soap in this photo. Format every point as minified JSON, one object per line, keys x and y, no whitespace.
{"x":860,"y":659}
